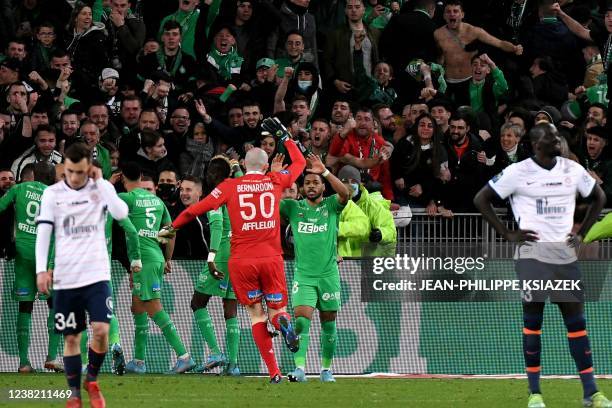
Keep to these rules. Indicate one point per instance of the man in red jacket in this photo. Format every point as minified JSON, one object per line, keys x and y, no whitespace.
{"x":360,"y":146}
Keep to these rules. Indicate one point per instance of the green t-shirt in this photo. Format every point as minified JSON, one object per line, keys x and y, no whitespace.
{"x":148,"y":213}
{"x":25,"y":197}
{"x":315,"y":233}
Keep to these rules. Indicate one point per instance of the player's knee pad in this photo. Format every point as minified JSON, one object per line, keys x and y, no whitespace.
{"x":199,"y":301}
{"x":26,"y":307}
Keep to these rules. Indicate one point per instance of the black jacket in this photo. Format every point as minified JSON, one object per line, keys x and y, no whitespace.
{"x":88,"y":54}
{"x":123,"y":44}
{"x":192,"y":240}
{"x":423,"y":173}
{"x":468,"y":176}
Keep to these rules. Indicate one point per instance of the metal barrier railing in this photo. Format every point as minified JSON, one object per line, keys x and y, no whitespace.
{"x":469,"y":230}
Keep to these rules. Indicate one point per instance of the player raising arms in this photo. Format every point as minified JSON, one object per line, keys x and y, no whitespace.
{"x":25,"y":197}
{"x":316,"y":283}
{"x":542,"y":191}
{"x":74,"y":210}
{"x":256,"y":265}
{"x":148,"y":213}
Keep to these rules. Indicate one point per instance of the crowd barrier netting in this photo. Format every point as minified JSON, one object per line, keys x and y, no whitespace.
{"x":385,"y":337}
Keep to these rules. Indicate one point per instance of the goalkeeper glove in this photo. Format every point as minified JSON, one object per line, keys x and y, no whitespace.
{"x":276,"y":129}
{"x":166,"y":234}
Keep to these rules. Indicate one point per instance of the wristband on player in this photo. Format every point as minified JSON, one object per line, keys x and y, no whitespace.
{"x":136,"y":263}
{"x":211,"y":257}
{"x":326,"y":173}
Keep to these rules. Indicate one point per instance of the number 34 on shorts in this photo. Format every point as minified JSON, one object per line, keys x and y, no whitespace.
{"x":62,"y":322}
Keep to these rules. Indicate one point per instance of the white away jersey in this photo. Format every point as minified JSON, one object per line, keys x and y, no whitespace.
{"x":78,"y":218}
{"x":544,"y":200}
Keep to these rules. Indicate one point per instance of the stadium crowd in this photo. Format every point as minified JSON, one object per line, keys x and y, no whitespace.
{"x":411,"y":103}
{"x":426,"y":105}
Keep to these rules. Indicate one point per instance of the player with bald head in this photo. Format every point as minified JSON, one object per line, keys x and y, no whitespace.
{"x":255,"y":264}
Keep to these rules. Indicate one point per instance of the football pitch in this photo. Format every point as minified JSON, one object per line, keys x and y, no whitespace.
{"x":192,"y":390}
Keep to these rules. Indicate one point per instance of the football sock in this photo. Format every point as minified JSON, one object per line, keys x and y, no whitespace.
{"x":54,"y":338}
{"x":264,"y":344}
{"x":84,"y":347}
{"x":532,"y":348}
{"x":232,"y":339}
{"x":114,"y":336}
{"x":329,"y":340}
{"x":302,"y":328}
{"x":72,"y":367}
{"x":95,"y":362}
{"x":141,"y":335}
{"x":581,"y":352}
{"x":163,"y":321}
{"x":207,"y":329}
{"x":24,"y":321}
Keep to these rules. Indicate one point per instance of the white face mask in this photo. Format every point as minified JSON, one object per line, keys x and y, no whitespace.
{"x":355,"y":188}
{"x":304,"y":85}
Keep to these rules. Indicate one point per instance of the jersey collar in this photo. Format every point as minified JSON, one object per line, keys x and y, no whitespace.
{"x":255,"y":172}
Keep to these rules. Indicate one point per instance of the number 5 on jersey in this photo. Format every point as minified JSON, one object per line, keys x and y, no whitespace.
{"x":151,"y":218}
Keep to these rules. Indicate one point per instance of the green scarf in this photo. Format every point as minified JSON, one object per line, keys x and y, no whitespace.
{"x":226,"y":64}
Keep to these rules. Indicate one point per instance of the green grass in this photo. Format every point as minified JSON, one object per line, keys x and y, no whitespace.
{"x":152,"y":391}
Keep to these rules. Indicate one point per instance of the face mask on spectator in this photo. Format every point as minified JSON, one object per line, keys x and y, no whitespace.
{"x":165,"y":191}
{"x":355,"y":188}
{"x":304,"y":85}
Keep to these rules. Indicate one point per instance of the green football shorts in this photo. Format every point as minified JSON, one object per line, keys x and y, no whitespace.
{"x":208,"y":285}
{"x":319,"y":293}
{"x":148,"y":282}
{"x":24,"y":286}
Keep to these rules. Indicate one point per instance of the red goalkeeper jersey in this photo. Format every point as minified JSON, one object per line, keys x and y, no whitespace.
{"x":253,"y":208}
